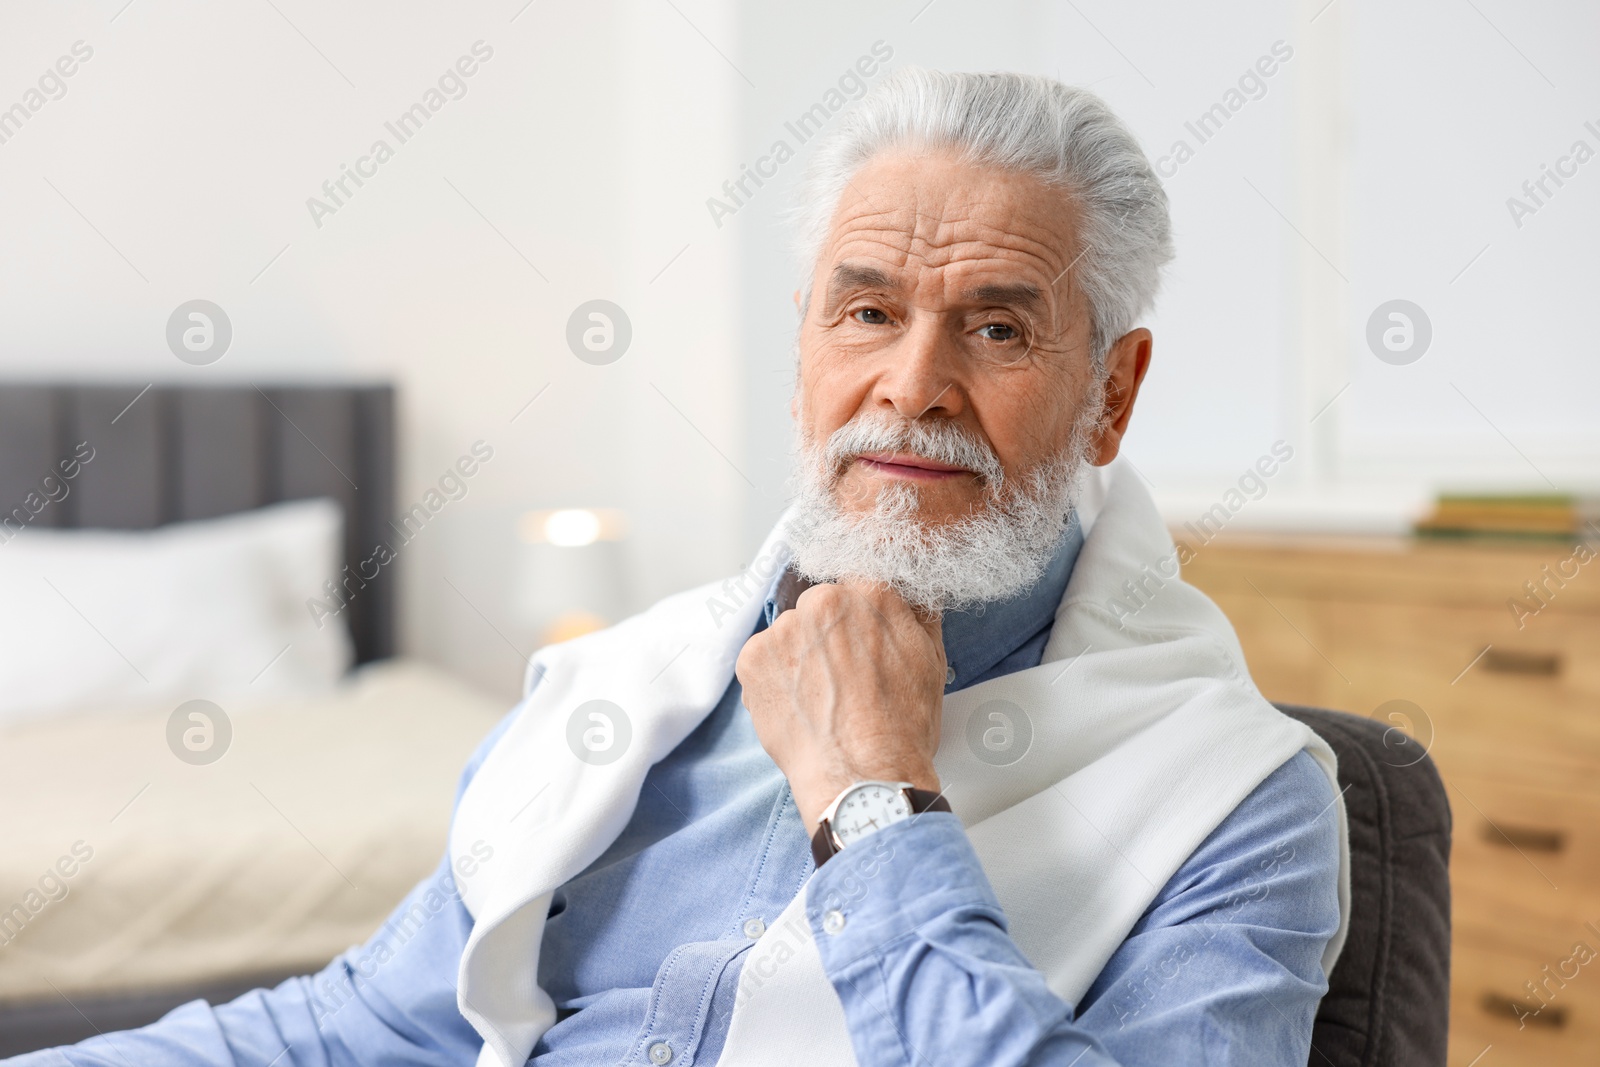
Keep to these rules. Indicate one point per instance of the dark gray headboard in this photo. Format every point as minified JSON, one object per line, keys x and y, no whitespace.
{"x":167,"y":453}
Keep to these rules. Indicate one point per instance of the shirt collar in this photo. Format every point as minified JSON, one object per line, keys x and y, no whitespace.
{"x":979,"y":638}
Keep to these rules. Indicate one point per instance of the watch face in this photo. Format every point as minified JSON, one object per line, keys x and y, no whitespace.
{"x":868,"y":808}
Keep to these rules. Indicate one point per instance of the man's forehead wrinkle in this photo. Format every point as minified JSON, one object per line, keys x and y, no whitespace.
{"x":900,"y":249}
{"x":936,"y":221}
{"x":942,"y":240}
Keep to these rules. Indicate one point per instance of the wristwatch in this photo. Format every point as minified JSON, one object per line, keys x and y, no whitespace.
{"x":864,"y":809}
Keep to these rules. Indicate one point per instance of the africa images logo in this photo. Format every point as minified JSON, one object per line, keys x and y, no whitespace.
{"x":598,"y":732}
{"x":199,"y":332}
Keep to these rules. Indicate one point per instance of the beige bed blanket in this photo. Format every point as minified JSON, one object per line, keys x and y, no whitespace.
{"x":287,"y":850}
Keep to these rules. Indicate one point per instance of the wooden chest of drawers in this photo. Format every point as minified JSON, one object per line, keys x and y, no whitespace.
{"x":1500,"y":679}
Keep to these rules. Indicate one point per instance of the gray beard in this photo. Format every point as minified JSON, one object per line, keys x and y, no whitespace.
{"x":998,"y":551}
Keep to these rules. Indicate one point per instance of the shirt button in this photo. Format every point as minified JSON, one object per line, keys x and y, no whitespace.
{"x":754,"y":928}
{"x":949,"y":675}
{"x":660,"y":1052}
{"x":833,"y":921}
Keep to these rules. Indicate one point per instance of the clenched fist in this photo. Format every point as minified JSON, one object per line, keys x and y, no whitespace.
{"x":846,"y":686}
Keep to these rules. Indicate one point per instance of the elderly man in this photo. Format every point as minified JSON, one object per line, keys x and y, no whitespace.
{"x":904,"y":792}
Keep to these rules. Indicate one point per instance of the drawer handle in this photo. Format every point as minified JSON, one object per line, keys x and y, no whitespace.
{"x":1530,"y":838}
{"x":1505,"y":661}
{"x":1502,"y":1006}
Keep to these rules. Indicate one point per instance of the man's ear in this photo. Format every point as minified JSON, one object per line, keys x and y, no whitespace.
{"x":1126,"y":363}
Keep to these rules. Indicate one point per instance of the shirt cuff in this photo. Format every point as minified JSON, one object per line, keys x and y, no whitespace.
{"x":886,"y":887}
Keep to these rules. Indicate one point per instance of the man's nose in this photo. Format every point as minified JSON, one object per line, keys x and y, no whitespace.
{"x":920,"y":374}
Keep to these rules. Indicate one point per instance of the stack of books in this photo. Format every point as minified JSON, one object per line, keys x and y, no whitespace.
{"x":1555,"y":516}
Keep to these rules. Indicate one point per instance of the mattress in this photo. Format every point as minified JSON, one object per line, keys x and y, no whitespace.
{"x":124,"y":867}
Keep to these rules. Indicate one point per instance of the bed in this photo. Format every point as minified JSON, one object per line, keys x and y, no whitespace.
{"x":157,"y":880}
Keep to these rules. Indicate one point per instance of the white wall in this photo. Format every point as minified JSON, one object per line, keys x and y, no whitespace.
{"x":191,"y":140}
{"x":1457,"y":107}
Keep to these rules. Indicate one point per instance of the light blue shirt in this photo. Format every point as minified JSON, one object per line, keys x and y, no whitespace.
{"x":642,"y":952}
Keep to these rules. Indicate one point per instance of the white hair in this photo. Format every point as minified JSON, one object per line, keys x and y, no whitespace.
{"x":1065,"y":136}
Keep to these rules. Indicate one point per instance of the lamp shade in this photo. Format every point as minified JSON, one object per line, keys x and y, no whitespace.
{"x":570,"y":576}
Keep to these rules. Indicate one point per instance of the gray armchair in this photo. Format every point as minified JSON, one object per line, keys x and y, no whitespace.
{"x":1388,"y":999}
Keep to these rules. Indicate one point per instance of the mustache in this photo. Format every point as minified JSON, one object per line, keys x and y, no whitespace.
{"x":935,"y":439}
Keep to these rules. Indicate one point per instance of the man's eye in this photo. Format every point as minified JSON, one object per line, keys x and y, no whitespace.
{"x":997,"y":331}
{"x":872,"y":317}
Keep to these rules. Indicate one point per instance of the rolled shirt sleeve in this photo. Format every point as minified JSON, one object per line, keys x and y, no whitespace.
{"x":1224,"y":967}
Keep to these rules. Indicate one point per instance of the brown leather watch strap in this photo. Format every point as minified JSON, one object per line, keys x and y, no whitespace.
{"x":922,"y":800}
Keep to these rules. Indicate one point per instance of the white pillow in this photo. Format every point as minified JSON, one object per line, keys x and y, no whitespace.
{"x":214,"y":610}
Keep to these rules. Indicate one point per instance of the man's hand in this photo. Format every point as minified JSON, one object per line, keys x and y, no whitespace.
{"x":846,"y":686}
